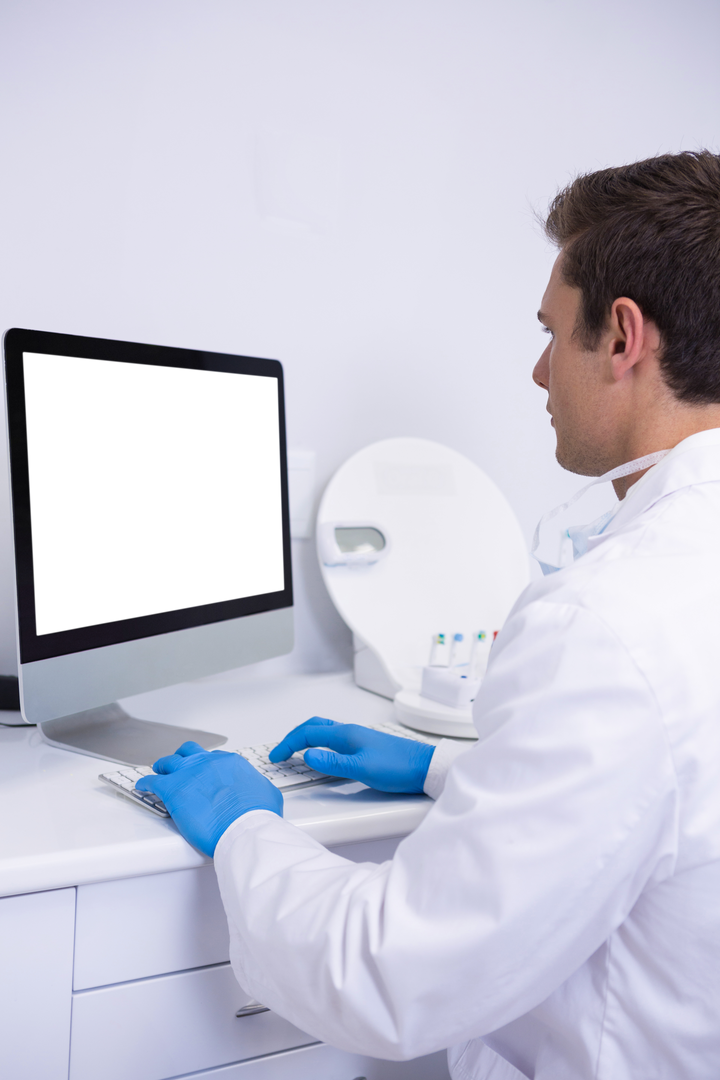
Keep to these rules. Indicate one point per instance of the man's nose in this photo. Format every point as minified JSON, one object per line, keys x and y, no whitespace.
{"x":541,"y":371}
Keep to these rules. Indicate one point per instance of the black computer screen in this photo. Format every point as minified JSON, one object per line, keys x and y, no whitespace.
{"x":152,"y":489}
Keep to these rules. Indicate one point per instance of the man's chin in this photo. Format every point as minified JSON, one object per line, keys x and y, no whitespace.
{"x":580,"y":462}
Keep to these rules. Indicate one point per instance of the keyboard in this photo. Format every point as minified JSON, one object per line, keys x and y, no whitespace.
{"x":287,"y":775}
{"x":123,"y":780}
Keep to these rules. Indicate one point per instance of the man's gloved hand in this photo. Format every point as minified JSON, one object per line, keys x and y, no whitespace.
{"x":205,"y":791}
{"x":384,"y":762}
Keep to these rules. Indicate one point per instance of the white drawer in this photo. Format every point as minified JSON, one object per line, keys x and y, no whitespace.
{"x":36,"y":947}
{"x":152,"y":925}
{"x":170,"y":1026}
{"x":148,"y":926}
{"x":323,"y":1062}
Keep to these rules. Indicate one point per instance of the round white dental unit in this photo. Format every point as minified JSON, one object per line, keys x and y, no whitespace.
{"x":415,"y":541}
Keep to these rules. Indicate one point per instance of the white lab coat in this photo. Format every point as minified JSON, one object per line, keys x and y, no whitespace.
{"x":557,"y":913}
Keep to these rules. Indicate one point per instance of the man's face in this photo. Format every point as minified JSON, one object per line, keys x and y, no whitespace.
{"x":579,"y":392}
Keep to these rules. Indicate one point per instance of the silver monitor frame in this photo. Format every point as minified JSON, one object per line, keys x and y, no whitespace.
{"x":66,"y":695}
{"x":72,"y":695}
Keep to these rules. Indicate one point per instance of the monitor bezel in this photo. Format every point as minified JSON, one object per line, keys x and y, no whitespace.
{"x":33,"y":647}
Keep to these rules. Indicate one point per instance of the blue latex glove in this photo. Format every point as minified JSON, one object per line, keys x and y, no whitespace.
{"x":384,"y":762}
{"x":205,"y":791}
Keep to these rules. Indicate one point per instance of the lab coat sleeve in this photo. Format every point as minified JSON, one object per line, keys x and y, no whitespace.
{"x":541,"y":841}
{"x":443,"y":756}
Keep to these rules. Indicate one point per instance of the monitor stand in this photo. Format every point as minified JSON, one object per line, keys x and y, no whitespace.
{"x":111,"y":734}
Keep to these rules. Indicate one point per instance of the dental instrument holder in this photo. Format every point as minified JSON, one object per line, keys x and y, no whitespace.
{"x":449,"y":686}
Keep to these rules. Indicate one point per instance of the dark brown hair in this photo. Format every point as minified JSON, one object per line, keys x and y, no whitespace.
{"x":650,"y":231}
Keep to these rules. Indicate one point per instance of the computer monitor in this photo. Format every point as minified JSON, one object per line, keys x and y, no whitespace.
{"x":151,"y":529}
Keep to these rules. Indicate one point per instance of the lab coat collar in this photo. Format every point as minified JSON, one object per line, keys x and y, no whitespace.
{"x":695,"y":460}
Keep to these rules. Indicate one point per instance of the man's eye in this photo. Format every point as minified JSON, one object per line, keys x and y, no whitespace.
{"x":547,"y":330}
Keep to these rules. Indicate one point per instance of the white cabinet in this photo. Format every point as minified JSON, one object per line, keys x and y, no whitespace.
{"x":146,"y":926}
{"x":169,"y":1026}
{"x":326,"y":1063}
{"x":154,"y":995}
{"x":36,"y":956}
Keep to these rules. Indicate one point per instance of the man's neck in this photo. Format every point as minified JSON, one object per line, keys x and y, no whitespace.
{"x":685,"y":420}
{"x":623,"y":485}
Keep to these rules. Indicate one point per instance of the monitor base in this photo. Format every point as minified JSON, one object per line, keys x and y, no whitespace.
{"x":111,"y":734}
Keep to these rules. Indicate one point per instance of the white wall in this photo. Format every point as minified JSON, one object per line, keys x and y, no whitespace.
{"x":345,"y":185}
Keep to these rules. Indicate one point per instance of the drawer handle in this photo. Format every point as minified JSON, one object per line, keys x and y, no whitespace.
{"x":251,"y":1009}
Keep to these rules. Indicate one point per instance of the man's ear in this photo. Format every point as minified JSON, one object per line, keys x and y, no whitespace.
{"x":633,"y":338}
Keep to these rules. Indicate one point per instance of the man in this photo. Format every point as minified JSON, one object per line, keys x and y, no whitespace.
{"x":557,"y":913}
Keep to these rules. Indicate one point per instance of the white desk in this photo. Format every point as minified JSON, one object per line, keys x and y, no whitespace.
{"x":110,"y":918}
